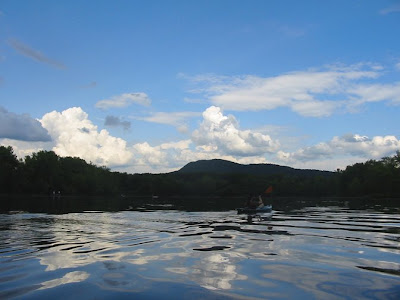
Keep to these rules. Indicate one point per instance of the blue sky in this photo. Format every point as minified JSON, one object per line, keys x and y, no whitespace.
{"x":148,"y":86}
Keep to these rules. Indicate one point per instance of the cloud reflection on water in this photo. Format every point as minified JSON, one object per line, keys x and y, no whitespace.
{"x":76,"y":276}
{"x":286,"y":256}
{"x":325,"y":282}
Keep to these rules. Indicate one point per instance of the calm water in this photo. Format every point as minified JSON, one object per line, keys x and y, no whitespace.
{"x":330,"y":252}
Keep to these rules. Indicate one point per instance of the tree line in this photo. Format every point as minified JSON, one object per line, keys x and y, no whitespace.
{"x":45,"y":173}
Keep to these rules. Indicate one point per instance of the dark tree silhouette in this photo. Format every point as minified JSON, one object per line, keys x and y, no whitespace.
{"x":44,"y":172}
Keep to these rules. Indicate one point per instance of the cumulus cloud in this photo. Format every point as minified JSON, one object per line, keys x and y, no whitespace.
{"x":75,"y":135}
{"x":168,"y":157}
{"x":25,"y":148}
{"x":114,"y":121}
{"x":34,"y":54}
{"x":161,"y":158}
{"x":346,"y":145}
{"x":310,"y":93}
{"x":21,"y":127}
{"x":221,"y":133}
{"x":217,"y":136}
{"x":148,"y":155}
{"x":124,"y":100}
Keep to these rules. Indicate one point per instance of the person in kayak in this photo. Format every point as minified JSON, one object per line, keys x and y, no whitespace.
{"x":254,"y":202}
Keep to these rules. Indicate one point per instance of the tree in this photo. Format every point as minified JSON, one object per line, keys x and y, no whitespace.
{"x":43,"y":170}
{"x":9,"y":167}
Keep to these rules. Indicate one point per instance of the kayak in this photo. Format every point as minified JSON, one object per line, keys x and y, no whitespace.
{"x":258,"y":210}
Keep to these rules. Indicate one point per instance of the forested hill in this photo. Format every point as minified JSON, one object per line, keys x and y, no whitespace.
{"x":45,"y":172}
{"x":219,"y":166}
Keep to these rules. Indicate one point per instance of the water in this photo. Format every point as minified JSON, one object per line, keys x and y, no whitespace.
{"x":328,"y":252}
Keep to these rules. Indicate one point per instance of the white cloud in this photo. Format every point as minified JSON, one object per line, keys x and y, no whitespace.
{"x":24,"y":148}
{"x":168,"y":157}
{"x":124,"y":100}
{"x":376,"y":92}
{"x":148,"y":155}
{"x":165,"y":157}
{"x":315,"y":108}
{"x":375,"y":147}
{"x":181,"y":145}
{"x":356,"y":146}
{"x":218,"y":136}
{"x":75,"y":135}
{"x":311,"y":93}
{"x":222,"y":134}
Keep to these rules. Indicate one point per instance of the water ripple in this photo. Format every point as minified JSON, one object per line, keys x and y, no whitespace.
{"x":309,"y":253}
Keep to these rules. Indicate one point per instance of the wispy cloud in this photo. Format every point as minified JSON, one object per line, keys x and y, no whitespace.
{"x":176,"y":119}
{"x":310,"y":93}
{"x":391,"y":9}
{"x":34,"y":54}
{"x":376,"y":92}
{"x":124,"y":100}
{"x":291,"y":31}
{"x":170,"y":118}
{"x":90,"y":85}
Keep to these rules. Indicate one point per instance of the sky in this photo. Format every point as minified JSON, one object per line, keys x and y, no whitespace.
{"x":149,"y":86}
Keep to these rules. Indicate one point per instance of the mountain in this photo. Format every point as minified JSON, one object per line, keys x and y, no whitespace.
{"x":219,"y":166}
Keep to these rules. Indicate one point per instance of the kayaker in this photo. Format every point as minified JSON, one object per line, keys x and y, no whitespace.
{"x":256,"y":202}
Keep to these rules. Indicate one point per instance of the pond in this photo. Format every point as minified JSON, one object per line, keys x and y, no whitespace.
{"x":153,"y":251}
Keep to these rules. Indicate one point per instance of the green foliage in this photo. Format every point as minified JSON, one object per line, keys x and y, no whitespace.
{"x":44,"y":172}
{"x":377,"y":178}
{"x":9,"y":169}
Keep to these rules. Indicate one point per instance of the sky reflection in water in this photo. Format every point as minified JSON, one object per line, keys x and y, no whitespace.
{"x":327,"y":252}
